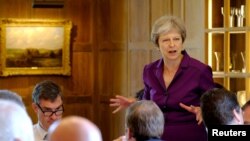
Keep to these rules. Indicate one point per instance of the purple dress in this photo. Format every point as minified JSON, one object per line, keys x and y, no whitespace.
{"x":191,"y":80}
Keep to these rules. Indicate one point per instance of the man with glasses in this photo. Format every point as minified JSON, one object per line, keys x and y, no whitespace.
{"x":47,"y":103}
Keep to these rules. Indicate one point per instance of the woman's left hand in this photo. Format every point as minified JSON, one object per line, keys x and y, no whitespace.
{"x":193,"y":109}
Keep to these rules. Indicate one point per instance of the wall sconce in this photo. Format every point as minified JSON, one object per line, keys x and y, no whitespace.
{"x":48,"y":3}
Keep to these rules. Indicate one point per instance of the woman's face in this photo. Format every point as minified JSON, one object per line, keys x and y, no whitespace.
{"x":170,"y":45}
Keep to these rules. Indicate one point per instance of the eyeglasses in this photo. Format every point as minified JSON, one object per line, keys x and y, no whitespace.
{"x":50,"y":113}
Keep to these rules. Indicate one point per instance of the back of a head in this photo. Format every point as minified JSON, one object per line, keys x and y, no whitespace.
{"x":75,"y":128}
{"x":217,"y":107}
{"x":9,"y":95}
{"x":15,"y":122}
{"x":145,"y":120}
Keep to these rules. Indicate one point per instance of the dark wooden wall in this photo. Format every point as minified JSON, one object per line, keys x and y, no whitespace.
{"x":79,"y":89}
{"x":110,"y":44}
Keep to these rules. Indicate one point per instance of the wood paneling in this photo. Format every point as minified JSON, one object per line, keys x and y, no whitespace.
{"x":110,"y":44}
{"x":78,"y":89}
{"x":112,"y":63}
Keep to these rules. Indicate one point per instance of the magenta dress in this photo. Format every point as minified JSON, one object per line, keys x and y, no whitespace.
{"x":191,"y":80}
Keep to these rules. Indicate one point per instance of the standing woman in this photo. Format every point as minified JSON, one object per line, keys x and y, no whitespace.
{"x":175,"y":83}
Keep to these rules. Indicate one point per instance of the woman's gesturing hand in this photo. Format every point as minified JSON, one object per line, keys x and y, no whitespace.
{"x":193,"y":109}
{"x":120,"y":102}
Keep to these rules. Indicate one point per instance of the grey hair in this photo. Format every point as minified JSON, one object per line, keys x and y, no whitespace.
{"x":15,"y":122}
{"x":10,"y":95}
{"x":165,"y":24}
{"x":144,"y":119}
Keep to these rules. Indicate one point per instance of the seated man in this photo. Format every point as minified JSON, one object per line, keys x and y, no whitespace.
{"x":47,"y":102}
{"x":74,"y":128}
{"x":220,"y":107}
{"x":144,"y":121}
{"x":246,"y":112}
{"x":15,"y":123}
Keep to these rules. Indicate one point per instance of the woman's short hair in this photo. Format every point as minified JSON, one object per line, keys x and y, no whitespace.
{"x":165,"y":24}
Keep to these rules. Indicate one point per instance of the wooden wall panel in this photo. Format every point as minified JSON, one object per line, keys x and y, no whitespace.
{"x":112,"y":63}
{"x":15,"y":8}
{"x":78,"y":88}
{"x":110,"y":44}
{"x":82,"y":73}
{"x":41,"y":13}
{"x":161,"y":7}
{"x":139,"y":17}
{"x":83,"y":14}
{"x":112,"y":73}
{"x":118,"y":23}
{"x":105,"y":73}
{"x":139,"y":42}
{"x":137,"y":58}
{"x":194,"y":17}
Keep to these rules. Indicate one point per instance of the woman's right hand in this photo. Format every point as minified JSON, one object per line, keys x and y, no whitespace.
{"x":120,"y":102}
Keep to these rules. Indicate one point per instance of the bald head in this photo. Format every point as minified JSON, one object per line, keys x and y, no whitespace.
{"x":74,"y":128}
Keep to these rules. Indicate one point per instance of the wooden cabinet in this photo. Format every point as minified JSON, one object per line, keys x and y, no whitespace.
{"x":227,"y":44}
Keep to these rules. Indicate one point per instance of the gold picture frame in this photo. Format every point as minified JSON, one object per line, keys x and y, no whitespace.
{"x":35,"y":47}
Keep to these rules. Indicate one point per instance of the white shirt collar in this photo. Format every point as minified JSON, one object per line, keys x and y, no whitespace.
{"x":39,"y":132}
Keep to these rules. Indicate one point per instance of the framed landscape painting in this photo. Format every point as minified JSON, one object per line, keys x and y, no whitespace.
{"x":35,"y":47}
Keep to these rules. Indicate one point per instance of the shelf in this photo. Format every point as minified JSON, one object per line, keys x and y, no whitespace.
{"x":238,"y":75}
{"x":230,"y":29}
{"x":227,"y":42}
{"x":221,"y":74}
